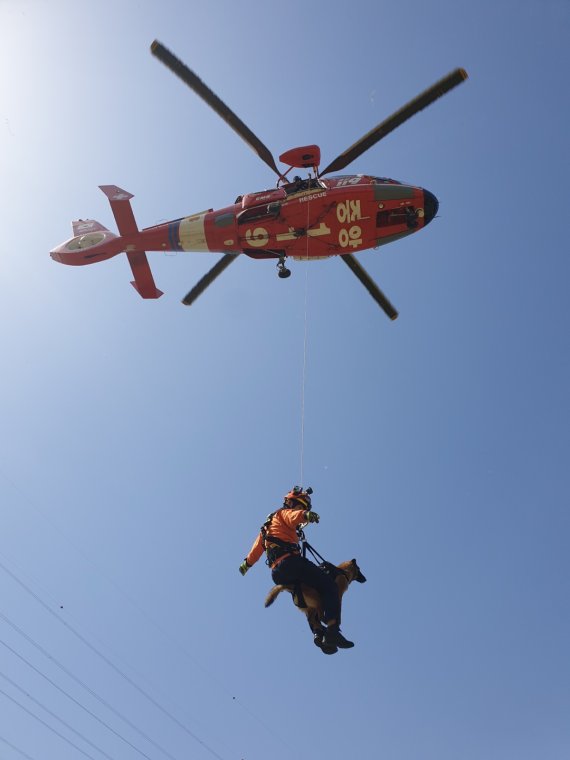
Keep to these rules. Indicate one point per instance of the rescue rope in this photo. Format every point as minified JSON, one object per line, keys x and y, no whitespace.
{"x":304,"y":371}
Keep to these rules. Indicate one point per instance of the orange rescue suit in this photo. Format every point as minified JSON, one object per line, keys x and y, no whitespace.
{"x":283,"y":525}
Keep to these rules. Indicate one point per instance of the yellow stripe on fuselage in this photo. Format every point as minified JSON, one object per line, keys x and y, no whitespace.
{"x":192,"y":233}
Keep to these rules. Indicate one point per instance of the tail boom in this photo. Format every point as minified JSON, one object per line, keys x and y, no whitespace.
{"x":93,"y":242}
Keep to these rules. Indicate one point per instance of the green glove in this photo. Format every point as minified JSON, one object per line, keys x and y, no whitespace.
{"x":312,"y":517}
{"x":244,"y":567}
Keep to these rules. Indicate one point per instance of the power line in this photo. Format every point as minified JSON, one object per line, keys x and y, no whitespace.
{"x":145,"y":614}
{"x":75,"y":701}
{"x":114,"y":667}
{"x":87,"y":688}
{"x":53,"y":715}
{"x":53,"y":730}
{"x":16,"y":749}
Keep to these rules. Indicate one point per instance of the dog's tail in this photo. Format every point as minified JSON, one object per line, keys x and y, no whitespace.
{"x":273,"y":594}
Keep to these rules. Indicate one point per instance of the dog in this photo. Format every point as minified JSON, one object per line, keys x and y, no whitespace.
{"x":308,"y":600}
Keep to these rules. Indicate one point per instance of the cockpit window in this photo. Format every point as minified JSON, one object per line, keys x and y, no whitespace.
{"x":386,"y":181}
{"x":298,"y":185}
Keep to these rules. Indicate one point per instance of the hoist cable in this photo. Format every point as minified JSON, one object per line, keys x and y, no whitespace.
{"x":304,"y":370}
{"x":304,"y":373}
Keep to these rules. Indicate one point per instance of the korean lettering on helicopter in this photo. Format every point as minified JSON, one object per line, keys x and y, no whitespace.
{"x":347,"y":212}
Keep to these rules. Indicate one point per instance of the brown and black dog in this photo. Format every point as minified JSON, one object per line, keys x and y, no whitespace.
{"x":310,"y":601}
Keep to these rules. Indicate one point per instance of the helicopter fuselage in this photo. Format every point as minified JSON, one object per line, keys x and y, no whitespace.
{"x":305,"y":219}
{"x":301,"y":219}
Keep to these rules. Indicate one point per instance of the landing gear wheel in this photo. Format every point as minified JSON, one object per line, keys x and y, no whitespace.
{"x":282,"y":270}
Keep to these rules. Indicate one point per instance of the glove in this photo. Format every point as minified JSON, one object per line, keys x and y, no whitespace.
{"x":244,"y":567}
{"x":312,"y":517}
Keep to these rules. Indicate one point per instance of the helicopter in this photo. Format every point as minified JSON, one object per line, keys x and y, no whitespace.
{"x":301,"y":218}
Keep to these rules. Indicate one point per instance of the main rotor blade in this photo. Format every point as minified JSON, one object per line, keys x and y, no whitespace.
{"x":209,"y":278}
{"x":196,"y":84}
{"x":370,"y":285}
{"x":399,"y":117}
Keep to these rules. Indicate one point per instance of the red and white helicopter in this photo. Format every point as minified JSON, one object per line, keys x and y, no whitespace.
{"x":314,"y":217}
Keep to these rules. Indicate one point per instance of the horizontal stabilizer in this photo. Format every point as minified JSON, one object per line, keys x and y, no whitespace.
{"x":115,"y":193}
{"x":121,"y":208}
{"x":85,"y":226}
{"x":144,"y":281}
{"x":120,"y":201}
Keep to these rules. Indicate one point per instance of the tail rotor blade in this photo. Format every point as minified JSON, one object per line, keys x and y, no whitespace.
{"x":202,"y":90}
{"x":209,"y":278}
{"x":396,"y":119}
{"x":370,"y":285}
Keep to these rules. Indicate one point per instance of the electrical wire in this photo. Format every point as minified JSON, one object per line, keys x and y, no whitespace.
{"x":16,"y":749}
{"x":75,"y":701}
{"x":51,"y":728}
{"x":112,"y":665}
{"x":147,"y":617}
{"x":86,"y":687}
{"x":53,"y":715}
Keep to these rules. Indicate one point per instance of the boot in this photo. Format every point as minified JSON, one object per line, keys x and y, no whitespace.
{"x":334,"y":638}
{"x":325,"y":648}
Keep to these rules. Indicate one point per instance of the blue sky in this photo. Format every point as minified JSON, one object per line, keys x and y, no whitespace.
{"x":142,"y":444}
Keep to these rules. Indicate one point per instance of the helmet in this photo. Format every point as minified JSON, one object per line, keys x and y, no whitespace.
{"x":298,"y":498}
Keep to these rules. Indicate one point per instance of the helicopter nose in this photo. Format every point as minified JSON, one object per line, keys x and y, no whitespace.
{"x":431,"y":206}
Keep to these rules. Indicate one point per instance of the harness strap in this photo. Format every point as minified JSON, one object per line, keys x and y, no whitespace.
{"x":307,"y":547}
{"x":280,"y":559}
{"x":276,"y":548}
{"x":325,"y":566}
{"x":281,"y":543}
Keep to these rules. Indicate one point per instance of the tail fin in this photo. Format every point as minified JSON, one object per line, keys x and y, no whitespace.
{"x":123,"y":213}
{"x":84,"y":226}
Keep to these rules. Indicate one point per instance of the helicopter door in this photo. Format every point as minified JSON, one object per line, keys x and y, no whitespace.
{"x":267,"y":212}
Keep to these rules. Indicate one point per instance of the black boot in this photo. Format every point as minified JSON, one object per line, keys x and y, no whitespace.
{"x":325,"y":648}
{"x":333,"y":637}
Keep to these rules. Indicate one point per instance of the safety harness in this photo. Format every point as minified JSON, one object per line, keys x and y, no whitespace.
{"x":276,"y":548}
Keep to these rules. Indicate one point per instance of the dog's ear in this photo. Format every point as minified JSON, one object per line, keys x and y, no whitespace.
{"x":353,"y":562}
